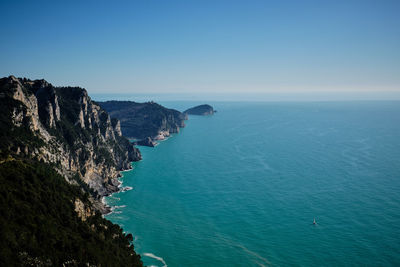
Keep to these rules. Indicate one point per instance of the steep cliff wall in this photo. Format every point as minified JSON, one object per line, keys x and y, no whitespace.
{"x":63,"y":126}
{"x":59,"y":153}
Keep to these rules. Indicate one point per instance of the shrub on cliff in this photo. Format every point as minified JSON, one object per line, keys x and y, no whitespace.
{"x":39,"y":225}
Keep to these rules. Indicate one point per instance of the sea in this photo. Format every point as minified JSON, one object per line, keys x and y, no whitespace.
{"x":243,"y":187}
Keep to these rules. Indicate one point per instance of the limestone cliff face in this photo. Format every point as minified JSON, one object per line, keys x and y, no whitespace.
{"x":69,"y":130}
{"x":82,"y":210}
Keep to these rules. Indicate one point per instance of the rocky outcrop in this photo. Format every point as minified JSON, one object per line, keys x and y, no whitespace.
{"x":83,"y":211}
{"x":142,"y":120}
{"x":202,"y":110}
{"x":63,"y":126}
{"x":146,"y":142}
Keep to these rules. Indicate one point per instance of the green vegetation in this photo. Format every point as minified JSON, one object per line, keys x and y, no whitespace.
{"x":67,"y":130}
{"x":201,"y":110}
{"x":12,"y":137}
{"x":141,"y":120}
{"x":39,"y":225}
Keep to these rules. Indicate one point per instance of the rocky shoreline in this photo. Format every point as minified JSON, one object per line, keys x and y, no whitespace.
{"x":106,"y":209}
{"x":58,"y":141}
{"x":142,"y":120}
{"x":70,"y":131}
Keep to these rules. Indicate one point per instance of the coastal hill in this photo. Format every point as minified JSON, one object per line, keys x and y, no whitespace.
{"x":62,"y":126}
{"x":60,"y":153}
{"x":201,"y":110}
{"x":142,"y":120}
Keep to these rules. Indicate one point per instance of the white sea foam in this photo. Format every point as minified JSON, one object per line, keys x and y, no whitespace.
{"x":126,"y":188}
{"x":115,"y":209}
{"x":128,"y":170}
{"x":151,"y":255}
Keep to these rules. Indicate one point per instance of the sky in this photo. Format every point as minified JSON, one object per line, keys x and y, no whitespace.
{"x":204,"y":47}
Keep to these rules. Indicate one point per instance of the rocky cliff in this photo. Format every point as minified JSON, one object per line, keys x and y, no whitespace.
{"x":142,"y":120}
{"x":59,"y":154}
{"x":64,"y":127}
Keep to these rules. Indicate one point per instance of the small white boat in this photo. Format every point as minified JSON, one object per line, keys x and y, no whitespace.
{"x":314,"y":222}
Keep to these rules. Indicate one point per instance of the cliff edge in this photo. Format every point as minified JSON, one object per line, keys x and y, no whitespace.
{"x":64,"y":127}
{"x":59,"y":154}
{"x":143,"y":120}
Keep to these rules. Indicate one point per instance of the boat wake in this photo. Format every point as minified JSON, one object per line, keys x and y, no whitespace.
{"x":151,"y":255}
{"x":259,"y":260}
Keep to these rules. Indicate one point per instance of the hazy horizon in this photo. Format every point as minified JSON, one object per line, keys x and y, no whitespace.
{"x":247,"y":50}
{"x":246,"y":97}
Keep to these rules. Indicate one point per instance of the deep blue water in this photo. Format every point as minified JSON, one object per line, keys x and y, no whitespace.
{"x":242,"y":187}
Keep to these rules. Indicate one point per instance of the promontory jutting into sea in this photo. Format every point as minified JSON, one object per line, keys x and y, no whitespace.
{"x":247,"y":183}
{"x":199,"y":133}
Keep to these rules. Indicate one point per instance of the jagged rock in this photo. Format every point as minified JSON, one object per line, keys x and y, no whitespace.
{"x":117,"y":126}
{"x":82,"y":210}
{"x":96,"y":149}
{"x":45,"y":129}
{"x":147,"y":142}
{"x":201,"y":110}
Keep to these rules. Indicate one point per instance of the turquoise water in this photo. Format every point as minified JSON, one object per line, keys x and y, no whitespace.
{"x":242,"y":187}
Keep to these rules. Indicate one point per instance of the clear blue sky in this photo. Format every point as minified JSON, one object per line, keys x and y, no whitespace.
{"x":204,"y":46}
